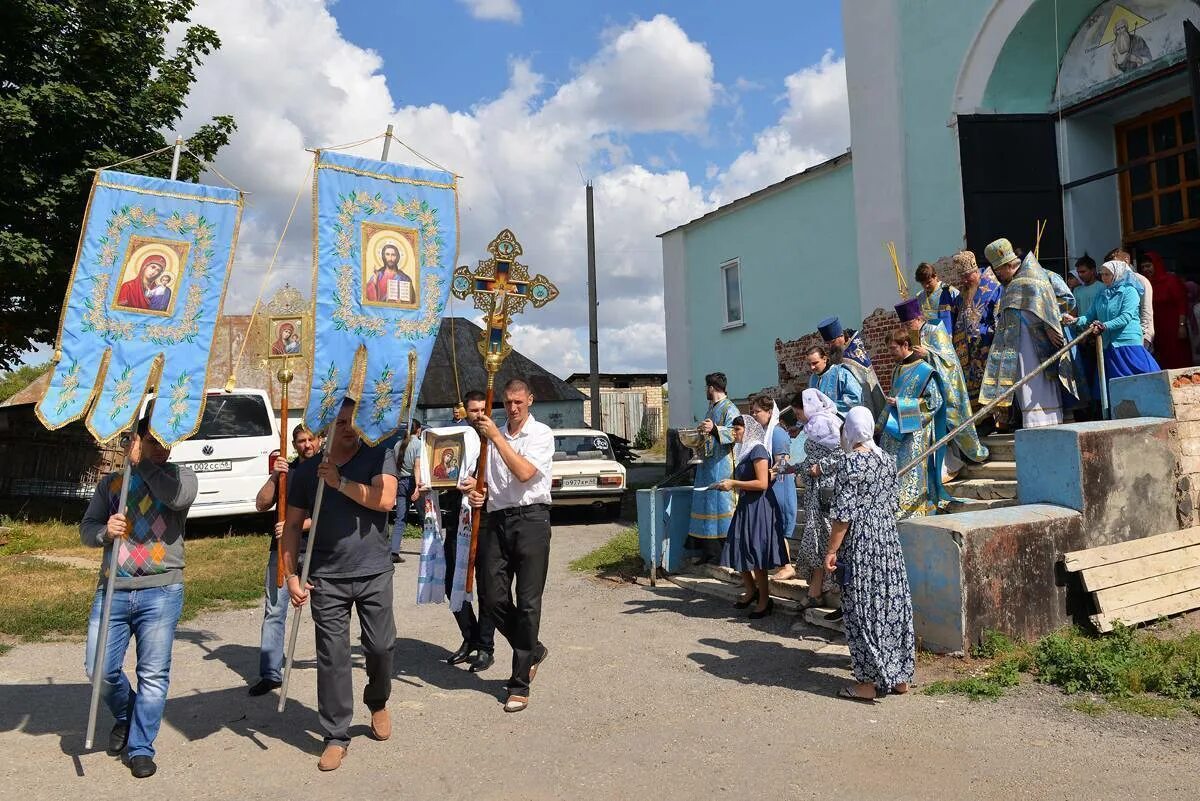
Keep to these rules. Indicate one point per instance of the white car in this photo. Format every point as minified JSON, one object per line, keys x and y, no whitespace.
{"x":230,"y":451}
{"x":585,"y":472}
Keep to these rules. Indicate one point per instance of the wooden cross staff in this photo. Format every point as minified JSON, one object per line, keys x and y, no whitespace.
{"x":500,"y":287}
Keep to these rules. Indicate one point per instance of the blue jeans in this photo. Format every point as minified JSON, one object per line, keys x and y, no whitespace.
{"x":275,"y":609}
{"x":404,"y":488}
{"x":150,"y":616}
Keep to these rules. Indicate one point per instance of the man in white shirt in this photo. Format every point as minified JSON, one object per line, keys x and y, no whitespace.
{"x":514,"y":542}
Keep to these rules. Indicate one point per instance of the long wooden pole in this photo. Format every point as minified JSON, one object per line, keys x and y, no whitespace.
{"x":285,"y":378}
{"x":480,"y":485}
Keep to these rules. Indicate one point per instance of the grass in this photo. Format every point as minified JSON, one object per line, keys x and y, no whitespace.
{"x":1135,"y":672}
{"x":40,"y":598}
{"x":619,"y":557}
{"x":4,"y":648}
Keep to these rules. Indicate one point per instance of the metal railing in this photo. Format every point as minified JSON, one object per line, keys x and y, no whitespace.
{"x":986,"y":410}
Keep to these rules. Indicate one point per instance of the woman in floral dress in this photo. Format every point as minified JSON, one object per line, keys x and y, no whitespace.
{"x":864,"y":549}
{"x":822,"y":451}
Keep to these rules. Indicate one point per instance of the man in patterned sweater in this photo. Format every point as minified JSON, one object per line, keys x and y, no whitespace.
{"x":148,"y":593}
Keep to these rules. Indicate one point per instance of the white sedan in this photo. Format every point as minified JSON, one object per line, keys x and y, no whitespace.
{"x":585,"y":472}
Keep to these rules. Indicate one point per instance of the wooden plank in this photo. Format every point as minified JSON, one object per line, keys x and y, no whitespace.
{"x":1151,"y":610}
{"x":1116,"y":598}
{"x":1097,"y":578}
{"x":1122,"y":551}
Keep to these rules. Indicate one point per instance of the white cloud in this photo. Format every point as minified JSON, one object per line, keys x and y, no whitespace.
{"x":503,"y":10}
{"x":814,"y":126}
{"x":520,"y":155}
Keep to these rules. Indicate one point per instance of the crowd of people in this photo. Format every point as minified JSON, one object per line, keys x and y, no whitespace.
{"x":872,"y":458}
{"x":350,"y":564}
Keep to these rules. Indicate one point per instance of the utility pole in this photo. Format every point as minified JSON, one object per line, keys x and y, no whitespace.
{"x":593,"y":336}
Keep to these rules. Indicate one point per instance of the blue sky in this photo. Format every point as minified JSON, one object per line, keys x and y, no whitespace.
{"x":672,"y":108}
{"x":467,"y":61}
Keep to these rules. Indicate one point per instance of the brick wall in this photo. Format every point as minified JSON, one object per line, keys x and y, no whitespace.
{"x":1185,"y":395}
{"x":793,"y":371}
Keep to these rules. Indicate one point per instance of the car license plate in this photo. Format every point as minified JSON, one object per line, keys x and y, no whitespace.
{"x":578,"y":483}
{"x":211,"y":467}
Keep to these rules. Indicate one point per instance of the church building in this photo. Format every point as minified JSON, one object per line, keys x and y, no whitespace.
{"x":970,"y":120}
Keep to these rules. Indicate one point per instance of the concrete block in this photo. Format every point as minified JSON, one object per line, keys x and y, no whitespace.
{"x":1143,"y":396}
{"x":989,"y":570}
{"x":1120,"y":474}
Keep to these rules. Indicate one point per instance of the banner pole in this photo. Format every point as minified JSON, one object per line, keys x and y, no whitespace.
{"x":175,"y":157}
{"x":387,"y":142}
{"x":100,"y":658}
{"x":299,"y":611}
{"x":285,"y":378}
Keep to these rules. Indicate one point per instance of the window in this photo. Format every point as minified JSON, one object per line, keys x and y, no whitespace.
{"x":574,"y":447}
{"x":229,"y":416}
{"x":1163,"y":195}
{"x":732,"y":282}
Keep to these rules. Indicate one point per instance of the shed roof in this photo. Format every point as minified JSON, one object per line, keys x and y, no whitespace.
{"x":439,"y":391}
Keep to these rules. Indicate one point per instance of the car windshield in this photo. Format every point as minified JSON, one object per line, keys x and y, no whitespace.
{"x":572,"y":447}
{"x":229,"y":416}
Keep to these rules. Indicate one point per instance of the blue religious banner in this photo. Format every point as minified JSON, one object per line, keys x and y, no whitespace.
{"x":143,"y":298}
{"x":386,"y":239}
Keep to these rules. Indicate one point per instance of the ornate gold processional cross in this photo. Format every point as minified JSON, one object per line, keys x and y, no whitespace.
{"x":500,"y":287}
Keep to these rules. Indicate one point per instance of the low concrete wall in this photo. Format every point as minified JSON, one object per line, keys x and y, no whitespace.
{"x":1174,"y":394}
{"x":994,"y":569}
{"x":1117,"y":473}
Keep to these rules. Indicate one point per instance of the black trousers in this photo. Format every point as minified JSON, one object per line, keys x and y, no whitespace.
{"x":479,"y":632}
{"x":515,"y":547}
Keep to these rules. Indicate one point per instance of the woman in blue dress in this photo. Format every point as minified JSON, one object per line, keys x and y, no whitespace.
{"x":1116,"y":316}
{"x":783,"y":483}
{"x":864,"y":550}
{"x":753,"y":545}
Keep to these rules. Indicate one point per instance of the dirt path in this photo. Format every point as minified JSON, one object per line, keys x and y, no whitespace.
{"x":647,"y":694}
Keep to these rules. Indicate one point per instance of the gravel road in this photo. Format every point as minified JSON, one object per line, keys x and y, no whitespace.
{"x":648,"y":693}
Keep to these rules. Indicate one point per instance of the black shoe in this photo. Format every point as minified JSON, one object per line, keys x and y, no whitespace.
{"x":768,"y":609}
{"x":142,"y":767}
{"x":746,"y":604}
{"x":117,"y":738}
{"x":483,"y":660}
{"x":463,"y":654}
{"x":836,"y":614}
{"x":397,"y":559}
{"x":537,"y":660}
{"x":264,"y":686}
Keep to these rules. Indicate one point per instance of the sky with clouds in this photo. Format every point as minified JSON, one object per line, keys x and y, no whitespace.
{"x":670,"y":108}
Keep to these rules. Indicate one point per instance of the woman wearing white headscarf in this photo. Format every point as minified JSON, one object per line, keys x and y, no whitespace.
{"x":1116,"y":316}
{"x":753,"y":545}
{"x":822,"y":451}
{"x":864,"y":550}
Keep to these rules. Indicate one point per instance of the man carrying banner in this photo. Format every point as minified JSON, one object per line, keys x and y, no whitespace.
{"x":516,"y":544}
{"x":275,"y":598}
{"x":351,"y":567}
{"x":148,"y":593}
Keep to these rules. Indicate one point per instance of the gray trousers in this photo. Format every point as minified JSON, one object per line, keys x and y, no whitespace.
{"x":332,"y":600}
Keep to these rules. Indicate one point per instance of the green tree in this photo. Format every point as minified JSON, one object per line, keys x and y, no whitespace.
{"x":83,"y":84}
{"x":14,"y":381}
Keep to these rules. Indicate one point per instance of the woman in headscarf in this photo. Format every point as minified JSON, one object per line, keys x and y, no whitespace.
{"x":864,"y":551}
{"x":783,"y":482}
{"x":753,"y":545}
{"x":1115,"y":315}
{"x":822,"y":450}
{"x":1170,"y":304}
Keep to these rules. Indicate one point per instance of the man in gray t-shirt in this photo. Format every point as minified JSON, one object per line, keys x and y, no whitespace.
{"x":351,"y":567}
{"x":406,"y":452}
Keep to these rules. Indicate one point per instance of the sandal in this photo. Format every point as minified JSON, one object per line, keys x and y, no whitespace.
{"x":753,"y":599}
{"x":849,"y":694}
{"x":809,"y":602}
{"x":516,"y":703}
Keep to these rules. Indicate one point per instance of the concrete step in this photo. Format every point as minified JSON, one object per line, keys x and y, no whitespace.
{"x":975,"y":505}
{"x":983,"y":489}
{"x":1002,"y":446}
{"x":716,"y":588}
{"x":793,"y":589}
{"x":999,"y":470}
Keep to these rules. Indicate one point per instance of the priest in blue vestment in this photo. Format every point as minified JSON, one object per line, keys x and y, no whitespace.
{"x":847,"y":348}
{"x":712,"y":509}
{"x":835,"y":380}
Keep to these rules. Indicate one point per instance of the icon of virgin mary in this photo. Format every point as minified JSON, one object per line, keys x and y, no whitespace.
{"x":135,"y":293}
